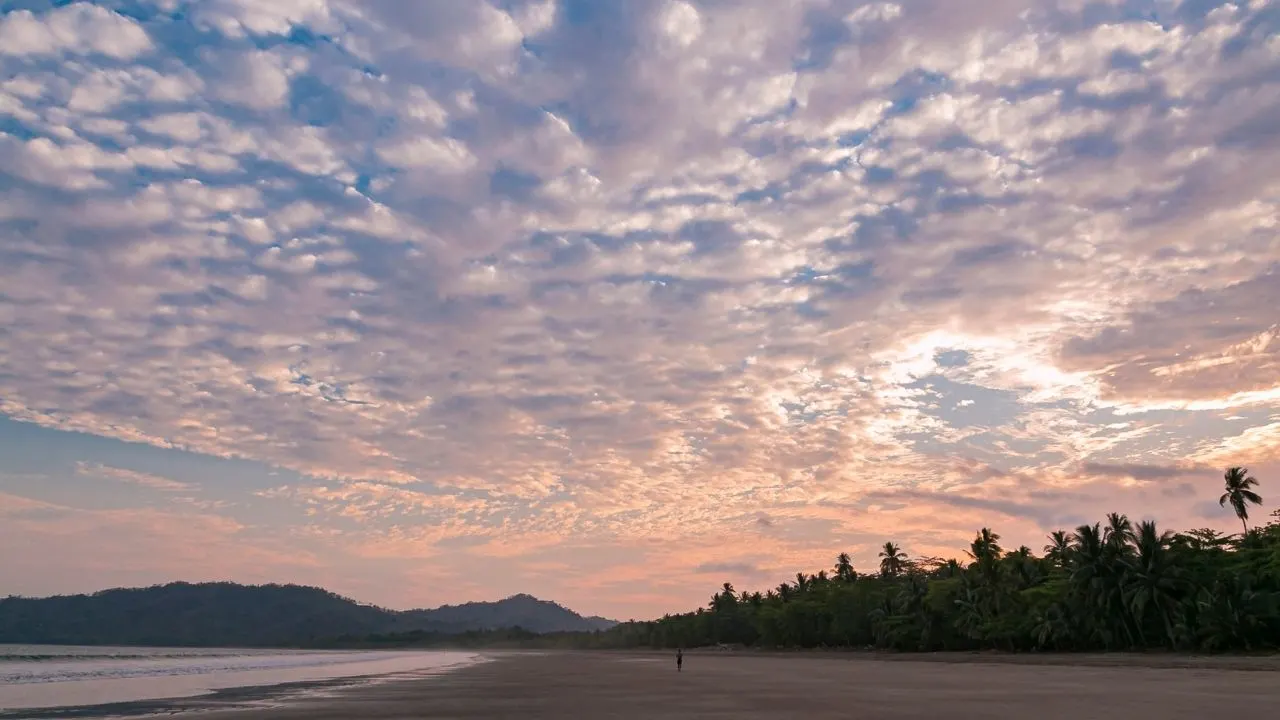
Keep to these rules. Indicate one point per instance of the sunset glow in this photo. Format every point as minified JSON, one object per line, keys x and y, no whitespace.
{"x":611,"y":302}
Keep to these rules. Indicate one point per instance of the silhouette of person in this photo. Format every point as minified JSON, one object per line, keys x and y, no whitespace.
{"x":679,"y":660}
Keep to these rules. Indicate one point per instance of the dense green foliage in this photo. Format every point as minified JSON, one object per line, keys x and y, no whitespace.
{"x":227,"y":614}
{"x":1114,"y":585}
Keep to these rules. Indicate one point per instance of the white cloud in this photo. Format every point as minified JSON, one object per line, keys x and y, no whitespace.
{"x":648,"y":271}
{"x":133,"y":477}
{"x":181,"y":127}
{"x":236,"y":18}
{"x":680,"y":22}
{"x":70,"y":165}
{"x":79,"y":28}
{"x":445,"y":154}
{"x":257,"y":80}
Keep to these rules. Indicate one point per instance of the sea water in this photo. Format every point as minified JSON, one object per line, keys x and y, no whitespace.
{"x":44,"y":676}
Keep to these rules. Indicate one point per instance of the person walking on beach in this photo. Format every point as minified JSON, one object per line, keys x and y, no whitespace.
{"x":679,"y":660}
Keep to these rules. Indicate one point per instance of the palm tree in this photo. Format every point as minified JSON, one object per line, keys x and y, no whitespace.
{"x":844,"y":568}
{"x":802,"y":583}
{"x":1026,"y":570}
{"x":724,"y":600}
{"x":892,"y":561}
{"x":1096,"y":571}
{"x":784,"y":591}
{"x":950,"y":569}
{"x":1058,"y":548}
{"x":1118,"y":535}
{"x":1230,"y":612}
{"x":985,"y":547}
{"x":972,"y":615}
{"x":1089,"y":571}
{"x":1237,"y":483}
{"x":1053,"y":627}
{"x":985,"y":551}
{"x":1151,"y":582}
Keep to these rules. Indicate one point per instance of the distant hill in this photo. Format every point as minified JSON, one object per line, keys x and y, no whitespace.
{"x":229,"y":614}
{"x":522,"y":611}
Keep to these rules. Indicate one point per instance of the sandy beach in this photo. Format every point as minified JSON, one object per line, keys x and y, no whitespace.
{"x":586,"y":685}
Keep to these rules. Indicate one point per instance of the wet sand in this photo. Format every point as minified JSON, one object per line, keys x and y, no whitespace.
{"x":730,"y":685}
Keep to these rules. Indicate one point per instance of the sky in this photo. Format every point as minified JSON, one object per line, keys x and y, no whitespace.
{"x":611,"y":302}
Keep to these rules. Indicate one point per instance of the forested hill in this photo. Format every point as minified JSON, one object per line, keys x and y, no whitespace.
{"x":517,"y":611}
{"x":229,"y":614}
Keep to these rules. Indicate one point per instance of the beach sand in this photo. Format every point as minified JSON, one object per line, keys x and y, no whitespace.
{"x":744,"y":686}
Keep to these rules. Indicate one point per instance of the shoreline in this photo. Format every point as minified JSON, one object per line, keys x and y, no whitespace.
{"x":537,"y":672}
{"x":238,"y":698}
{"x":245,"y":697}
{"x":1258,"y":660}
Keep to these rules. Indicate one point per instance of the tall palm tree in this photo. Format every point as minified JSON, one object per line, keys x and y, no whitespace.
{"x":724,"y":600}
{"x":1098,"y":562}
{"x":844,"y":568}
{"x":985,"y":551}
{"x":892,"y":560}
{"x":1151,"y":583}
{"x":1058,"y":548}
{"x":1119,"y":535}
{"x":1237,"y":483}
{"x":1089,"y":561}
{"x":950,"y":569}
{"x":784,"y":591}
{"x":802,"y":583}
{"x":1026,"y":570}
{"x":986,"y":546}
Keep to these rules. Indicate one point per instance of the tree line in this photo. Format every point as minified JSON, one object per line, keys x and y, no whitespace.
{"x":1106,"y":586}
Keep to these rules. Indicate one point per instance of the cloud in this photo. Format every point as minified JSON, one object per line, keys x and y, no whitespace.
{"x":1136,"y":471}
{"x":1201,"y":346}
{"x":77,"y":29}
{"x":133,"y":477}
{"x":256,"y":80}
{"x":497,"y":280}
{"x":18,"y":505}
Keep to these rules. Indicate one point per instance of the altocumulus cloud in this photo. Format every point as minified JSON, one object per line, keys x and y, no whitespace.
{"x":589,"y":277}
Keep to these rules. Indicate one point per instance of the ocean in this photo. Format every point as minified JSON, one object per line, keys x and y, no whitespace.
{"x":45,"y":676}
